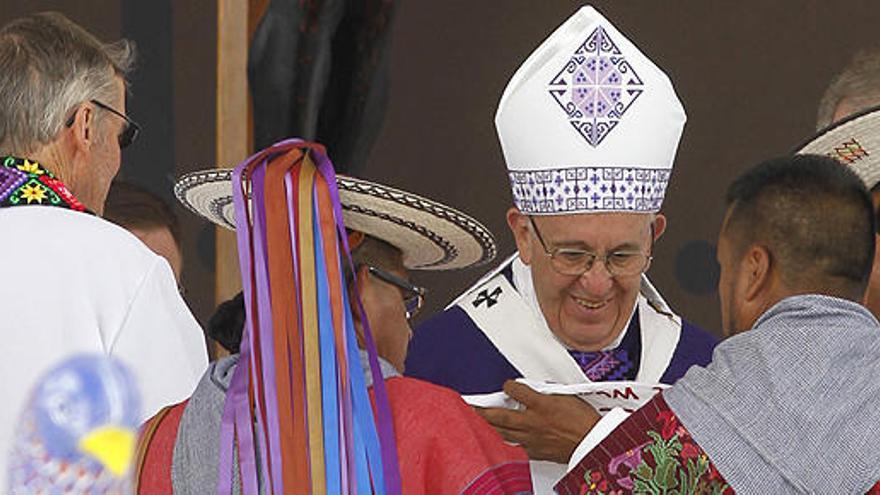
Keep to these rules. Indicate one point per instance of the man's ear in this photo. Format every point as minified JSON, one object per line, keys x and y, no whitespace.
{"x":659,"y":225}
{"x":757,"y":272}
{"x":519,"y":226}
{"x":83,"y":128}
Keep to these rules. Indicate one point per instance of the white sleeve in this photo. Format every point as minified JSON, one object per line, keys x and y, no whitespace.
{"x":608,"y":423}
{"x":161,"y":342}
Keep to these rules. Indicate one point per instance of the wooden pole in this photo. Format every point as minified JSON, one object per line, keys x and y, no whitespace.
{"x":232,"y":124}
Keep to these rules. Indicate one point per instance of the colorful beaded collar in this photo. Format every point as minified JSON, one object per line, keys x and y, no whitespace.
{"x":24,"y":182}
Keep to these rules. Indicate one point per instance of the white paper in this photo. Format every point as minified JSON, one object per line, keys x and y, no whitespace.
{"x":613,"y":400}
{"x":600,"y":430}
{"x":603,"y":396}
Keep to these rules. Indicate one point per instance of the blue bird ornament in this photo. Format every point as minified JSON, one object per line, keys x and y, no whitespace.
{"x":78,"y":431}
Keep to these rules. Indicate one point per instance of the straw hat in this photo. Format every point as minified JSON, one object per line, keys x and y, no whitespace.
{"x":853,"y":141}
{"x":431,"y":235}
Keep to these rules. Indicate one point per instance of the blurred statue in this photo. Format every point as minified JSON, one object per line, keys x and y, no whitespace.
{"x":319,"y":70}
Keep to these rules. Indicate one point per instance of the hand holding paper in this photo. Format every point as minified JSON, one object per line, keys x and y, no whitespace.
{"x":549,"y":420}
{"x":549,"y":427}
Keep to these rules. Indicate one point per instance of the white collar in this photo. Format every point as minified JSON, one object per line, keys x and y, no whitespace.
{"x":522,"y":280}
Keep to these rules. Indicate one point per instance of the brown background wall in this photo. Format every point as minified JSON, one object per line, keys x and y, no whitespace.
{"x":749,"y":73}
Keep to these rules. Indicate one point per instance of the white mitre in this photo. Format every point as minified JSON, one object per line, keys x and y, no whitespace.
{"x":588,"y":124}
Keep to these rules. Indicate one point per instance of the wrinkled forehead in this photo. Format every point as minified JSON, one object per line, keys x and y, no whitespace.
{"x":597,"y":230}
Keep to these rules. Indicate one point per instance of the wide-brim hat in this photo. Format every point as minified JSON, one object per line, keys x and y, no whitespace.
{"x":853,"y":141}
{"x":431,"y":235}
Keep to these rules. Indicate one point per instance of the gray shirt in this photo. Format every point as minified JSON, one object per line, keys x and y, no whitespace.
{"x":793,"y":405}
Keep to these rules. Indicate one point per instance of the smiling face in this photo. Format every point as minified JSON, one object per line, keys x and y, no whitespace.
{"x":585,"y":312}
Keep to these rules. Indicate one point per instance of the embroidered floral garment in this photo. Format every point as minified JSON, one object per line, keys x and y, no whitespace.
{"x":650,"y":452}
{"x":25,"y":182}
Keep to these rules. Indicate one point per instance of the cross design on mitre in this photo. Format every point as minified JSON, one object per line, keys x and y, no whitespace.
{"x":490,"y":298}
{"x":596,"y":87}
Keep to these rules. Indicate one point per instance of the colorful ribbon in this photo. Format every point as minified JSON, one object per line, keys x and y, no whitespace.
{"x":298,"y":402}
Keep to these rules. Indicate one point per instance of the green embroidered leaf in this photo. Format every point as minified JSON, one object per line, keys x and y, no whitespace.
{"x":664,"y":474}
{"x":587,"y":476}
{"x":640,"y":486}
{"x":689,"y":477}
{"x":644,"y":471}
{"x":718,"y":488}
{"x":703,"y":463}
{"x":655,"y":436}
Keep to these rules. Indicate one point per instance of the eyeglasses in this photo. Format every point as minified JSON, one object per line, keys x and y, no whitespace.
{"x":413,"y":295}
{"x":128,"y":134}
{"x":576,"y":262}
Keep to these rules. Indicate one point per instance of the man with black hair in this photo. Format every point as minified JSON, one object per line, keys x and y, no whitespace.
{"x":818,"y":234}
{"x":790,"y":402}
{"x":225,"y":326}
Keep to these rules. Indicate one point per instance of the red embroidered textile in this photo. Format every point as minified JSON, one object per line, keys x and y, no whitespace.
{"x":650,"y":452}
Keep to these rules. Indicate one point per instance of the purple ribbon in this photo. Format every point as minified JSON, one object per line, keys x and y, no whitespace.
{"x":232,"y":415}
{"x":390,"y":463}
{"x":237,"y":420}
{"x":264,"y":313}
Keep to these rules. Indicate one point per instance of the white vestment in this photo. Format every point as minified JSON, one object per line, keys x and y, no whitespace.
{"x":74,"y":283}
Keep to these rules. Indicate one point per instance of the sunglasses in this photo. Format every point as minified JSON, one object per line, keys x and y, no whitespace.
{"x":128,"y":134}
{"x":413,"y":295}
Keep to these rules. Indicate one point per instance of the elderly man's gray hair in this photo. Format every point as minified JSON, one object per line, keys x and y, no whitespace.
{"x":48,"y":66}
{"x":858,"y":84}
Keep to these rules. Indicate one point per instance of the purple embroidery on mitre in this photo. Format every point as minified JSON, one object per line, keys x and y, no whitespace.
{"x":589,"y":189}
{"x":596,"y":87}
{"x":10,"y":180}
